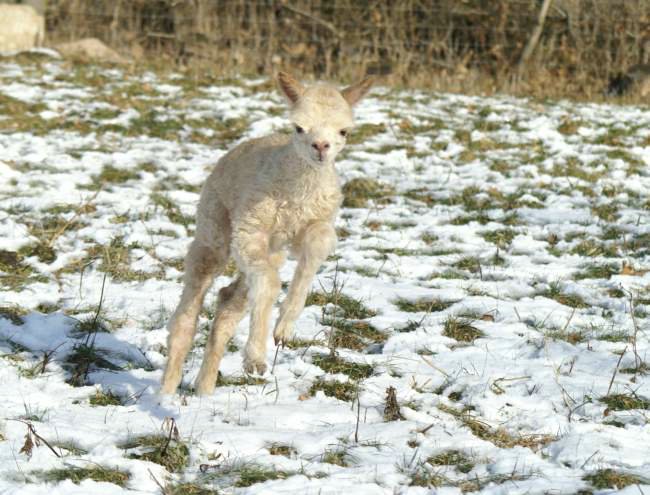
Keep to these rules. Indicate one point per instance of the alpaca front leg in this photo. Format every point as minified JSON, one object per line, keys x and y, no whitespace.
{"x":264,"y":287}
{"x":318,"y":241}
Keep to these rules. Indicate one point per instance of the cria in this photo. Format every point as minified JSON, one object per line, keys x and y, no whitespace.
{"x":266,"y":196}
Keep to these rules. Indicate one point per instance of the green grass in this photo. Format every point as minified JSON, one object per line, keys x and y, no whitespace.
{"x":334,"y":364}
{"x":108,"y":398}
{"x":357,"y":192}
{"x":113,"y":175}
{"x":282,"y":449}
{"x":188,"y":489}
{"x":352,"y":308}
{"x":470,"y":263}
{"x":593,"y":248}
{"x":609,"y":478}
{"x":363,"y":132}
{"x":625,"y":402}
{"x":571,"y":336}
{"x":501,"y":237}
{"x":338,"y":457}
{"x":171,"y":209}
{"x":15,"y":274}
{"x":345,"y":391}
{"x":172,"y":454}
{"x":461,"y":329}
{"x":84,"y":359}
{"x":423,"y":305}
{"x":556,"y":293}
{"x":78,"y":474}
{"x":239,"y":380}
{"x":250,"y":475}
{"x":354,"y":335}
{"x":498,"y":436}
{"x":599,"y":270}
{"x":453,"y":458}
{"x":14,"y":313}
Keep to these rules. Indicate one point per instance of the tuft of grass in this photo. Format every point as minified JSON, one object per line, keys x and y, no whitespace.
{"x":188,"y":489}
{"x":345,"y":391}
{"x":597,"y":271}
{"x":572,"y":337}
{"x":352,"y":308}
{"x":108,"y":398}
{"x":469,"y":263}
{"x":461,"y":329}
{"x":352,"y":334}
{"x":170,"y":453}
{"x":113,"y":175}
{"x":78,"y":474}
{"x":41,"y":250}
{"x":363,"y":132}
{"x":501,"y":237}
{"x":422,"y":475}
{"x":625,"y":402}
{"x":282,"y":449}
{"x":642,"y":368}
{"x":574,"y":168}
{"x":337,"y":457}
{"x":171,"y":209}
{"x":13,"y":313}
{"x":555,"y":292}
{"x":250,"y":475}
{"x":15,"y":275}
{"x":423,"y":305}
{"x":606,"y":211}
{"x":70,"y":448}
{"x":91,"y":324}
{"x":334,"y":364}
{"x":453,"y":458}
{"x":569,"y":126}
{"x":498,"y":436}
{"x":84,"y":359}
{"x":609,"y":478}
{"x":239,"y":380}
{"x":615,"y":336}
{"x":592,"y":248}
{"x":357,"y":192}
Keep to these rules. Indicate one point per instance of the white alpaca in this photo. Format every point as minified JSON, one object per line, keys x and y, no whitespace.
{"x":265,"y":196}
{"x":21,"y":28}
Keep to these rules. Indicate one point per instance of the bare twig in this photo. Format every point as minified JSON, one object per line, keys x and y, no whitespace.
{"x":327,"y":25}
{"x":29,"y":443}
{"x":611,"y":382}
{"x":356,"y":430}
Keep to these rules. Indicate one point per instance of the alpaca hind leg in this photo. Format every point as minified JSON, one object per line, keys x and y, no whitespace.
{"x":201,"y":265}
{"x":230,"y":310}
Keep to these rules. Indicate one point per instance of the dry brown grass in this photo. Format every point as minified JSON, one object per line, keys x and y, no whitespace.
{"x":469,"y":47}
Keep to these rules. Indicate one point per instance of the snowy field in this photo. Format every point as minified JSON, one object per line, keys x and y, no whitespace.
{"x":483,"y":326}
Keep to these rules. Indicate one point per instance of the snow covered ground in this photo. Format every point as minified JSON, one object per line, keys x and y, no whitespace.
{"x":493,"y":269}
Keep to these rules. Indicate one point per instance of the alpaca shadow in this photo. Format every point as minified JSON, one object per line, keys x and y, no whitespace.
{"x":96,"y":358}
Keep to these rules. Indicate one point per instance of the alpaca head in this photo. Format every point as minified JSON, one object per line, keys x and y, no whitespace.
{"x":321,"y":116}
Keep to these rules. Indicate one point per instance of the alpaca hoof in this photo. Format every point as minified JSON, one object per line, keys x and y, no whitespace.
{"x":251,"y":367}
{"x":282,"y":335}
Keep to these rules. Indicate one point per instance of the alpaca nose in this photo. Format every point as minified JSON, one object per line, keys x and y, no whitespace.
{"x":320,"y":146}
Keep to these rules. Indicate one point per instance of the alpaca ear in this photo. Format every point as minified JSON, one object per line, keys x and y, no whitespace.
{"x":292,"y":89}
{"x":354,"y":93}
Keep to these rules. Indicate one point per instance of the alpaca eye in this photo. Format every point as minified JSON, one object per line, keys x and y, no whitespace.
{"x":343,"y":132}
{"x":299,"y":129}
